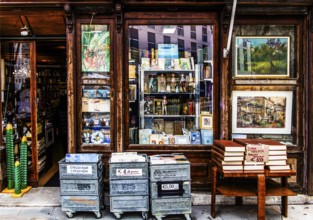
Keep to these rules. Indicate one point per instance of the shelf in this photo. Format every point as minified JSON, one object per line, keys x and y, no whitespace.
{"x":170,"y":93}
{"x":168,"y":71}
{"x":100,"y":112}
{"x":96,"y":127}
{"x":248,"y":187}
{"x":104,"y":98}
{"x":169,"y":116}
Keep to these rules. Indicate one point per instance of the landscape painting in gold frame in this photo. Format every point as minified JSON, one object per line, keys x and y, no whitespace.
{"x":262,"y":56}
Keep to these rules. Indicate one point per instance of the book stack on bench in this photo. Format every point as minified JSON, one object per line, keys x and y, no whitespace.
{"x":269,"y":153}
{"x":228,"y":155}
{"x":254,"y":155}
{"x":277,"y":155}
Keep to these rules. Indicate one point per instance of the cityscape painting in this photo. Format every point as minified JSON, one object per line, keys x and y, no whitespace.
{"x":261,"y":112}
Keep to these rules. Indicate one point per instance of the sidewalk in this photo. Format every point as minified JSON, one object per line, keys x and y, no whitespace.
{"x":43,"y":203}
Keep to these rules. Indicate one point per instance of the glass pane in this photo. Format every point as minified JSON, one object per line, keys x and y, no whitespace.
{"x":276,"y":35}
{"x":15,"y":92}
{"x":95,"y":44}
{"x":171,"y":84}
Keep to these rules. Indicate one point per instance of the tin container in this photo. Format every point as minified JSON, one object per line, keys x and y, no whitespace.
{"x":80,"y":170}
{"x":129,"y":187}
{"x":170,"y":189}
{"x":81,"y":187}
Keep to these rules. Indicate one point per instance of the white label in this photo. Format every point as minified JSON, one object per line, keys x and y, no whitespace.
{"x":170,"y":186}
{"x":128,"y":172}
{"x":79,"y":169}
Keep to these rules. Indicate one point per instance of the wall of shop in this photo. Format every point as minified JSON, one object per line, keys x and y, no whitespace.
{"x":291,"y":20}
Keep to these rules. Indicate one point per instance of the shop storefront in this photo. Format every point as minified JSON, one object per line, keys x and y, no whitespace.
{"x":153,"y":77}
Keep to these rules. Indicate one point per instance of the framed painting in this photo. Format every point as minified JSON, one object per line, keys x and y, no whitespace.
{"x":262,"y":56}
{"x":261,"y":112}
{"x":95,"y":48}
{"x":206,"y":121}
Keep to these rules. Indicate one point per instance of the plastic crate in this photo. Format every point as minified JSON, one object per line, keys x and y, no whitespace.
{"x":81,"y":187}
{"x":81,"y":170}
{"x":129,"y":187}
{"x":170,"y":189}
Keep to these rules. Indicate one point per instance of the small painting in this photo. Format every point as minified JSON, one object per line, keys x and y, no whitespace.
{"x":95,"y":48}
{"x":206,"y":121}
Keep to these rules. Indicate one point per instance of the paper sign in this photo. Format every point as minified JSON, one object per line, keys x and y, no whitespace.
{"x":79,"y":169}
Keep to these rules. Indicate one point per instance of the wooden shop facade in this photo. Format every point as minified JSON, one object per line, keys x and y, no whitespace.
{"x":158,"y":77}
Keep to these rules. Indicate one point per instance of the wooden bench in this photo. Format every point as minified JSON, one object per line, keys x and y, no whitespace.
{"x":260,"y":184}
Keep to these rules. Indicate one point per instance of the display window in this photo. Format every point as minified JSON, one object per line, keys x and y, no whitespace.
{"x":266,"y":56}
{"x":170,"y":84}
{"x":95,"y":84}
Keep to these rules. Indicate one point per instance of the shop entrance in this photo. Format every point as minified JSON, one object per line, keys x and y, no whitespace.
{"x":34,"y":90}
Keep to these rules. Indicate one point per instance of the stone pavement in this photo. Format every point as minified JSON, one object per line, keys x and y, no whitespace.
{"x":44,"y":203}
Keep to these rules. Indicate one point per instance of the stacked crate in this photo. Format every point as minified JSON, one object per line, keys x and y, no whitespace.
{"x":170,"y":189}
{"x":81,"y":183}
{"x":129,"y":184}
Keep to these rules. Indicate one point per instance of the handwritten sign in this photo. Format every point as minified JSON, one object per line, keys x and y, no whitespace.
{"x":256,"y":153}
{"x":128,"y":172}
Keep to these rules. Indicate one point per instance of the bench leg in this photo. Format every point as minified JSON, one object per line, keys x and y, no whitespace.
{"x":261,"y":196}
{"x":213,"y":195}
{"x":284,"y":199}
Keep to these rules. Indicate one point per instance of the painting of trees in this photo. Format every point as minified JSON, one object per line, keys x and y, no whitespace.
{"x":262,"y":56}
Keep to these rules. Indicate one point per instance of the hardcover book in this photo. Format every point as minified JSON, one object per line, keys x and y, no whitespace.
{"x":226,"y":158}
{"x":253,"y":167}
{"x":154,"y":139}
{"x":279,"y":167}
{"x":206,"y":136}
{"x":228,"y":163}
{"x":145,"y":63}
{"x":144,"y":136}
{"x":276,"y":162}
{"x":228,"y":145}
{"x":233,"y":167}
{"x":228,"y":153}
{"x":195,"y":137}
{"x":272,"y":145}
{"x":185,"y":64}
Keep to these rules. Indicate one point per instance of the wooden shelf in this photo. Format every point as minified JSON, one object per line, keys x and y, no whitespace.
{"x":248,"y":187}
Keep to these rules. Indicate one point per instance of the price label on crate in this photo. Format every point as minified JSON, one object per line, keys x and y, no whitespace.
{"x":79,"y":169}
{"x":128,"y":172}
{"x":170,"y":186}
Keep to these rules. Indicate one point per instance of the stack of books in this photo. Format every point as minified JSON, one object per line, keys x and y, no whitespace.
{"x":271,"y":153}
{"x":228,"y":155}
{"x":277,"y":155}
{"x":255,"y":155}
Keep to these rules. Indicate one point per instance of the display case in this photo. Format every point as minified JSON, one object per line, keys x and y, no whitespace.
{"x":171,"y":85}
{"x":94,"y":85}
